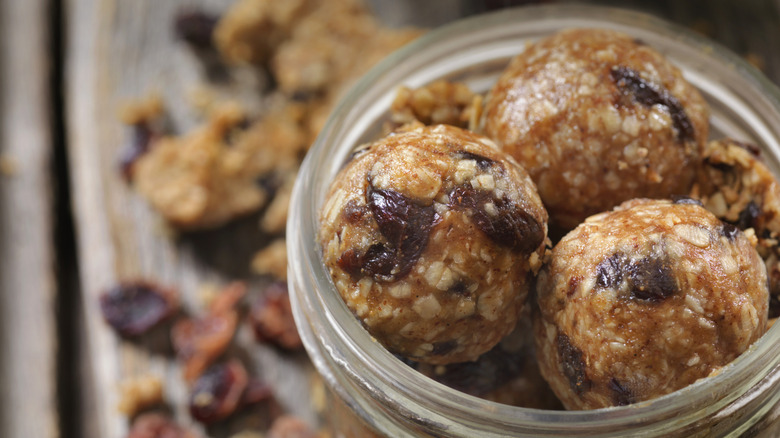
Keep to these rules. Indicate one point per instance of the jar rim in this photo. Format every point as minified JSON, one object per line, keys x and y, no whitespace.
{"x":386,"y":376}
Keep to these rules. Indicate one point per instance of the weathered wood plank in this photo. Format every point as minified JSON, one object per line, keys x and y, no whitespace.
{"x":27,"y":287}
{"x":119,"y":50}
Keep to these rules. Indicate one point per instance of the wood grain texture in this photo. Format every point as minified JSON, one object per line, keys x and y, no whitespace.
{"x":27,"y":286}
{"x":119,"y":50}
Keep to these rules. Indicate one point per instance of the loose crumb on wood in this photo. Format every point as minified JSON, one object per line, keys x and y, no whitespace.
{"x":272,"y":260}
{"x":140,"y":392}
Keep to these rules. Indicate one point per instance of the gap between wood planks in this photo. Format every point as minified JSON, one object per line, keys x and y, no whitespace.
{"x":68,"y":303}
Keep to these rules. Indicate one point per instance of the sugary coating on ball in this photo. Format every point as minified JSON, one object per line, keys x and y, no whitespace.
{"x":597,"y":118}
{"x":432,"y":236}
{"x":644,"y":300}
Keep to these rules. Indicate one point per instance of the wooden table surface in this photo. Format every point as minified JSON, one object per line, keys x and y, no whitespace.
{"x":70,"y":227}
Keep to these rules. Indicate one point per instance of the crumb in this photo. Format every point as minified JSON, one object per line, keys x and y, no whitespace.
{"x":138,"y":393}
{"x":439,"y":102}
{"x":272,"y":260}
{"x":134,"y":112}
{"x":207,"y":292}
{"x":275,"y":217}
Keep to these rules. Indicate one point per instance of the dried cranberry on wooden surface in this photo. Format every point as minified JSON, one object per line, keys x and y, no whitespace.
{"x":132,"y":308}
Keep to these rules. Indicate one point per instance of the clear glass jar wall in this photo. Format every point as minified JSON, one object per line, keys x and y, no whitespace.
{"x":387,"y":397}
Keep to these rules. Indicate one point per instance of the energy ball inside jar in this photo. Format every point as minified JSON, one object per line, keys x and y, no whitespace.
{"x":736,"y":185}
{"x":644,"y":300}
{"x":597,"y":118}
{"x":432,"y":237}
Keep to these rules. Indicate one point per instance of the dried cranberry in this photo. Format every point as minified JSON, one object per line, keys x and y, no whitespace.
{"x":218,"y":392}
{"x":651,"y":279}
{"x":196,"y":28}
{"x":573,"y":365}
{"x":748,"y":217}
{"x":609,"y":273}
{"x":621,"y":394}
{"x":646,"y":93}
{"x":729,"y":231}
{"x":272,"y":320}
{"x":750,"y":147}
{"x":133,"y":308}
{"x":406,"y":226}
{"x":648,"y":279}
{"x":228,"y":298}
{"x":200,"y":341}
{"x":510,"y":226}
{"x":257,"y":391}
{"x":154,"y":425}
{"x":379,"y":260}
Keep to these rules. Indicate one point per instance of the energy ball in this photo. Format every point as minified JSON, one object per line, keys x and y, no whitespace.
{"x":432,"y":237}
{"x":597,"y":118}
{"x":737,"y":187}
{"x":644,"y":300}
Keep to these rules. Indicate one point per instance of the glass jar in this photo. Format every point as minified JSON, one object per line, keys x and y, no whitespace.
{"x":384,"y":396}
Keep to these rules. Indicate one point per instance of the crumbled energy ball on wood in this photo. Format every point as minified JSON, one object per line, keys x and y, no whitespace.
{"x":209,"y":176}
{"x":645,"y":300}
{"x":272,"y":260}
{"x":251,"y":30}
{"x":138,"y":393}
